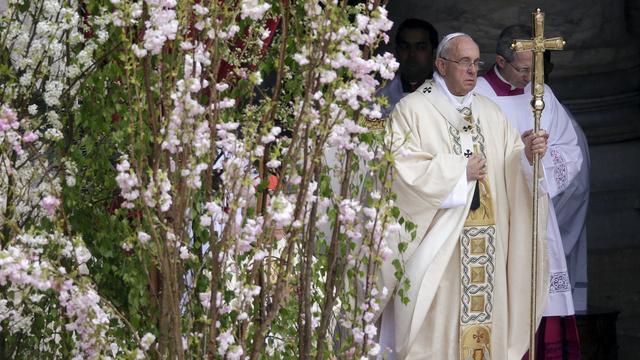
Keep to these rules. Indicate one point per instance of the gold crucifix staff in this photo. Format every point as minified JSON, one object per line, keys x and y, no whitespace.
{"x":538,"y":44}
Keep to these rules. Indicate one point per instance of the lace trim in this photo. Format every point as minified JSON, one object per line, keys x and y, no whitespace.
{"x":560,"y":172}
{"x":559,"y":283}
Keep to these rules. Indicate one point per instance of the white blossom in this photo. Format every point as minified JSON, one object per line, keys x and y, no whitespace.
{"x":253,"y":9}
{"x":147,"y":340}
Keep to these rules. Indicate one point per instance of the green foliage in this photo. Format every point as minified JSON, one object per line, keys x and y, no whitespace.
{"x":300,"y":287}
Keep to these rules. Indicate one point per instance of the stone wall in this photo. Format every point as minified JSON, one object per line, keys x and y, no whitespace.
{"x":598,"y":33}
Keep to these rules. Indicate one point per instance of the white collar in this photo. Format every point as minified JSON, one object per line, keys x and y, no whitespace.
{"x":454,"y":100}
{"x":501,"y":78}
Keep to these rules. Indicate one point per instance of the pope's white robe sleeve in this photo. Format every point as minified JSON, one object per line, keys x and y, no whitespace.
{"x":425,"y":172}
{"x":428,"y":178}
{"x":458,"y":196}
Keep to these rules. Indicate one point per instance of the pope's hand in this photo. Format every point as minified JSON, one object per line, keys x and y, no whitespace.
{"x":534,"y":143}
{"x":476,"y":169}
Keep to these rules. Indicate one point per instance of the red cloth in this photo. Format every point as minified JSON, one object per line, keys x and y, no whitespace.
{"x":273,"y":182}
{"x":500,"y":87}
{"x":557,"y":339}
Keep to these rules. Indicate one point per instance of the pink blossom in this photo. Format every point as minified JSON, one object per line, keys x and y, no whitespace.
{"x":128,"y":182}
{"x":8,"y":119}
{"x":50,"y":203}
{"x":29,"y":136}
{"x":222,"y":87}
{"x":184,"y":253}
{"x":143,"y":237}
{"x":358,"y":335}
{"x":225,"y":339}
{"x":386,"y":253}
{"x":225,"y":104}
{"x":82,"y":254}
{"x":200,"y":10}
{"x":363,"y":151}
{"x":267,"y":139}
{"x":301,"y":58}
{"x":348,"y":210}
{"x":368,"y":316}
{"x":249,"y":234}
{"x":138,"y":51}
{"x":354,"y":235}
{"x":328,"y":76}
{"x":259,"y":255}
{"x":370,"y":330}
{"x":161,"y":26}
{"x":235,"y":353}
{"x":375,"y":350}
{"x":205,"y":299}
{"x":281,"y":210}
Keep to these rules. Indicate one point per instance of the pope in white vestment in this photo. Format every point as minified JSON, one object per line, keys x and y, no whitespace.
{"x":469,"y":266}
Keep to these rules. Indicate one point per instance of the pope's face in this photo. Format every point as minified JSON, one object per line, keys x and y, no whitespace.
{"x":460,"y":79}
{"x":518,"y":71}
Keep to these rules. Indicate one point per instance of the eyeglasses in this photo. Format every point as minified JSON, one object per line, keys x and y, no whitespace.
{"x":521,"y":71}
{"x":466,"y":63}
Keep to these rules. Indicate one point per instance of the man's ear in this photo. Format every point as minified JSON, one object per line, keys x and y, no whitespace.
{"x":501,"y":61}
{"x":440,"y":66}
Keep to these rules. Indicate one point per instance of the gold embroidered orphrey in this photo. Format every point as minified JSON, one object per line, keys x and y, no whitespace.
{"x":538,"y":44}
{"x":477,"y":263}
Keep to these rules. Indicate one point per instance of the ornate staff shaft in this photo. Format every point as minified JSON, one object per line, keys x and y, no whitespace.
{"x":538,"y":44}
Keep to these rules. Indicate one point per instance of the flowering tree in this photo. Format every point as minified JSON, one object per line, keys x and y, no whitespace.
{"x":214,"y":158}
{"x":48,"y":306}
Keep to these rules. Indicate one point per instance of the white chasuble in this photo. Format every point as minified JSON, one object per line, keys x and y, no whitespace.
{"x":469,"y":270}
{"x":561,"y":164}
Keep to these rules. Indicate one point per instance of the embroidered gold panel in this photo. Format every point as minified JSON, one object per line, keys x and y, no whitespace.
{"x":477,"y":259}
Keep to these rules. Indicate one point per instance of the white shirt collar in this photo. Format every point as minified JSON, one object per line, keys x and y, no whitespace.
{"x":501,"y":78}
{"x":458,"y":102}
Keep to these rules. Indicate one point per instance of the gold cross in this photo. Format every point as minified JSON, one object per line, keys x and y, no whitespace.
{"x":538,"y":44}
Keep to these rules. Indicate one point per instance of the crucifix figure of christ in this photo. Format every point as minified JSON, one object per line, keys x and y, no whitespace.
{"x":538,"y":44}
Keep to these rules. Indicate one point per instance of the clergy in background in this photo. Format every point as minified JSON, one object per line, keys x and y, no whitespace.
{"x":464,"y":177}
{"x":571,"y":208}
{"x":508,"y":84}
{"x":416,"y":41}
